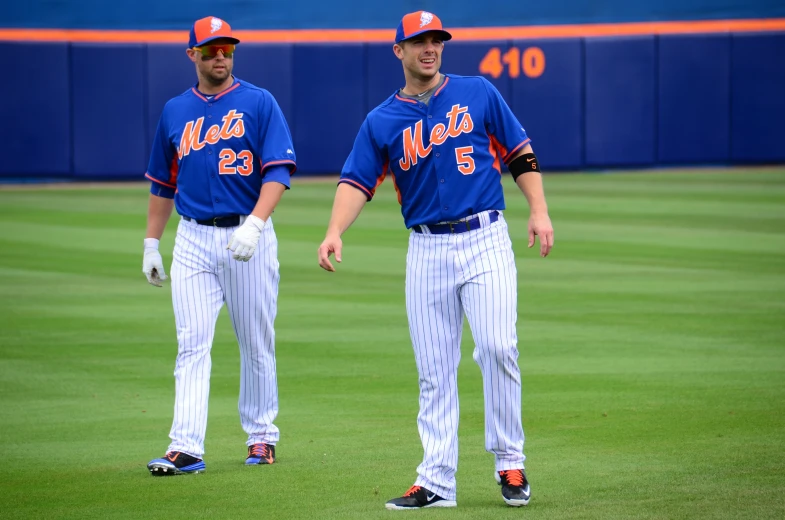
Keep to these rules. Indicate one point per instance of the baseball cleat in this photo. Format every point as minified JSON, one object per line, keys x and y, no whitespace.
{"x":418,"y":497}
{"x":260,"y":453}
{"x":515,"y":487}
{"x":175,"y":463}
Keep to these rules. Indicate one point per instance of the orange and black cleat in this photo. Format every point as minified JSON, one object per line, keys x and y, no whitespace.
{"x":515,"y":487}
{"x":260,"y":453}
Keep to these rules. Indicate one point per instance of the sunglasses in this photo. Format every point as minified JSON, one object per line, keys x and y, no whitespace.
{"x":211,"y":51}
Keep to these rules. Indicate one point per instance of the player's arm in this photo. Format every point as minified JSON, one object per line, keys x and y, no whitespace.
{"x":522,"y":163}
{"x":349,"y":202}
{"x":159,"y":209}
{"x":162,"y":172}
{"x":363,"y":172}
{"x":526,"y":172}
{"x":275,"y":150}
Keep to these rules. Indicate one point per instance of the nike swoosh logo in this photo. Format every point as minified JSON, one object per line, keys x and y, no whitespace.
{"x":530,"y":159}
{"x":430,"y":497}
{"x":172,"y":459}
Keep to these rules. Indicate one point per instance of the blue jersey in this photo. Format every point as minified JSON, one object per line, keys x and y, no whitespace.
{"x":444,"y":157}
{"x":217,"y":150}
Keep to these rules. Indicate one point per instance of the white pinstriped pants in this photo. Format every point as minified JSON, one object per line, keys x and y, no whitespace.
{"x":449,"y":276}
{"x":204,"y":277}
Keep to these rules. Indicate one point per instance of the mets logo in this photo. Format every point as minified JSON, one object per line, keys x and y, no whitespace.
{"x":425,"y":18}
{"x":232,"y":126}
{"x":413,"y":147}
{"x":215,"y":25}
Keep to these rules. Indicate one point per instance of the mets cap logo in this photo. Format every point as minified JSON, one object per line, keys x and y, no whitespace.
{"x":216,"y":24}
{"x":425,"y":18}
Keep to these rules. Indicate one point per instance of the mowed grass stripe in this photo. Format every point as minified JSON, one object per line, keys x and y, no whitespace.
{"x":651,"y":349}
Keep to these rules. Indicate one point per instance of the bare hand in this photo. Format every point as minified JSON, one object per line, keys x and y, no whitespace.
{"x":329,"y":246}
{"x":540,"y":225}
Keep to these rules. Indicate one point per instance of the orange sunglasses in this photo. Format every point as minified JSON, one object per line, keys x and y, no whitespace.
{"x":211,"y":51}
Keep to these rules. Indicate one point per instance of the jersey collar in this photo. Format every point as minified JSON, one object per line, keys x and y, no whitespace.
{"x":215,"y":97}
{"x":414,"y":101}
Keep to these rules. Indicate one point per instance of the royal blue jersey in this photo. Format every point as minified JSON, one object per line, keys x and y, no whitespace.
{"x":216,"y":151}
{"x":444,"y":157}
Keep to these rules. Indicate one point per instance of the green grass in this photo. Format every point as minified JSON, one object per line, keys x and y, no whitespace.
{"x":652,"y":349}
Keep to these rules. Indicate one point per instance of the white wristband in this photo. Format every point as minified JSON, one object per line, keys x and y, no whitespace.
{"x":256,"y":221}
{"x":151,"y":243}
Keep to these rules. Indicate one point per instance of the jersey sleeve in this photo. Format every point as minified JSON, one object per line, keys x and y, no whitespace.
{"x":366,"y":166}
{"x":278,"y":173}
{"x":507,"y":134}
{"x":276,"y":146}
{"x":163,"y":165}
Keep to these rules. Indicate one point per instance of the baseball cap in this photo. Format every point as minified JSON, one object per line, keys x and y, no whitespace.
{"x":419,"y":22}
{"x":208,"y":29}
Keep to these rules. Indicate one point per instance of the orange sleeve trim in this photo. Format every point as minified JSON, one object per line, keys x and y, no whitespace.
{"x":388,"y":35}
{"x":162,"y":183}
{"x":282,"y":161}
{"x":359,"y":186}
{"x":512,"y":152}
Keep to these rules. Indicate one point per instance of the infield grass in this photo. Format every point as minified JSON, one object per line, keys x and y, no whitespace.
{"x":652,"y":348}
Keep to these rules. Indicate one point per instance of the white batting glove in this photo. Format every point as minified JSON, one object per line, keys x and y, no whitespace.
{"x":153,"y":264}
{"x":245,"y":238}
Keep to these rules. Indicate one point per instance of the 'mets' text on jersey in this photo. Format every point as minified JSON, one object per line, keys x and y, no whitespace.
{"x":215,"y":150}
{"x":444,"y":157}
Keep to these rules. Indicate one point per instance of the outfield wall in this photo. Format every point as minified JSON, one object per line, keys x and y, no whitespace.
{"x":311,"y":14}
{"x":89,"y":110}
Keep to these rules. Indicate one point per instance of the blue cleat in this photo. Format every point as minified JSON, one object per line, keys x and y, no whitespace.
{"x":175,"y":463}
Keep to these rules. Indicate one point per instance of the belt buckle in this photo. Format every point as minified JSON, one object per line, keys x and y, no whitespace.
{"x":215,"y":221}
{"x":453,"y":224}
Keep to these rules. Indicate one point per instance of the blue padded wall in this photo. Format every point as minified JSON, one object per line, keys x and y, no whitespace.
{"x":269,"y":67}
{"x":329,"y":104}
{"x":464,"y":58}
{"x":384,"y":76}
{"x":694,"y":99}
{"x":108,"y":85}
{"x":169,"y":74}
{"x":620,"y":101}
{"x":36,"y":136}
{"x":758,"y":97}
{"x":550,"y":106}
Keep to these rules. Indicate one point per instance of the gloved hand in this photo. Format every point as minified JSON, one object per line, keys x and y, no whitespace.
{"x":153,"y":264}
{"x":245,"y":238}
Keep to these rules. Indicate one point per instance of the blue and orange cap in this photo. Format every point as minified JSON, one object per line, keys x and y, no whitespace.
{"x":208,"y":29}
{"x":419,"y":22}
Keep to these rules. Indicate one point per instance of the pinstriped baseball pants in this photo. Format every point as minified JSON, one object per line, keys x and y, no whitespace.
{"x":449,"y":276}
{"x":204,"y":277}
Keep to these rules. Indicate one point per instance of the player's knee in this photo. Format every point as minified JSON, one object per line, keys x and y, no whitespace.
{"x":497,"y":353}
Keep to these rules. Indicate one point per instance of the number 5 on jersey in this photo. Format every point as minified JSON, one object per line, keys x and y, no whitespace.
{"x":464,"y":159}
{"x":228,"y":159}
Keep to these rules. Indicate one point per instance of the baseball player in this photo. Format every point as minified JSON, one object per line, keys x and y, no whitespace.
{"x":443,"y":137}
{"x":222,"y":156}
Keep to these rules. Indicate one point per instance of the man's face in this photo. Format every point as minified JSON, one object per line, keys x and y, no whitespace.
{"x":421,"y":56}
{"x":214,"y":60}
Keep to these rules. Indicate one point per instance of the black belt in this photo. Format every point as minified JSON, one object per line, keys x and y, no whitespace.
{"x":231,"y":221}
{"x":457,"y":227}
